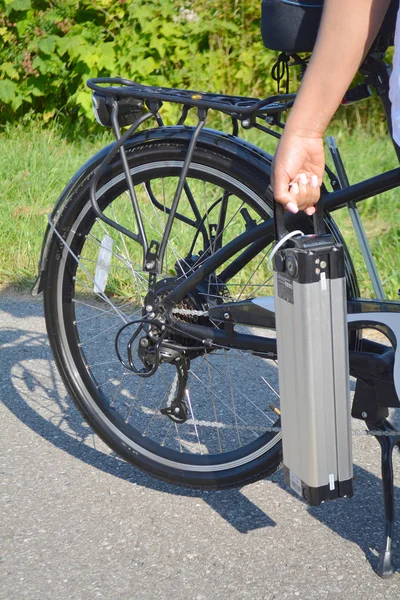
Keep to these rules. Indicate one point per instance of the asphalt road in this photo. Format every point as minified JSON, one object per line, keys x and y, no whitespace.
{"x":79,"y":523}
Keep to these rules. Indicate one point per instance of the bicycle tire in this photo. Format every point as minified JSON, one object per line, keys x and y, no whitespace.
{"x":205,"y":461}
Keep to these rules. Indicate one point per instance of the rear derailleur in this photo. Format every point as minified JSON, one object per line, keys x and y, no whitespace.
{"x":177,"y":409}
{"x":153,"y":349}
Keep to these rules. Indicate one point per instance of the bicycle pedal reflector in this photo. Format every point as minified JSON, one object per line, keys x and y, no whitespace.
{"x":311,"y":327}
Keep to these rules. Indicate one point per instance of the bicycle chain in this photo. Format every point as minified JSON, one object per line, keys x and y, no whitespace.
{"x":204,"y":313}
{"x":185,"y":312}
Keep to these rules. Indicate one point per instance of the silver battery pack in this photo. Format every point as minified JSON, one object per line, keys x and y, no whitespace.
{"x":311,"y":328}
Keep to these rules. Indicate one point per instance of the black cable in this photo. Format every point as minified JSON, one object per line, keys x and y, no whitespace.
{"x":280,"y":70}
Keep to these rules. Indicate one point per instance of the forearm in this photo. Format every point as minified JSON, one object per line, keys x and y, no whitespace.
{"x":348,"y":27}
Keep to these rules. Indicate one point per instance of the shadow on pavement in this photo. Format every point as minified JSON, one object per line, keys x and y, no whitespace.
{"x":32,"y":390}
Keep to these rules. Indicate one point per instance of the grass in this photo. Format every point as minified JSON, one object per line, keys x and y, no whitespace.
{"x":36,"y":164}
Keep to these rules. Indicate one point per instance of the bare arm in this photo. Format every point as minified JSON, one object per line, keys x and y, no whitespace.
{"x":348,"y":28}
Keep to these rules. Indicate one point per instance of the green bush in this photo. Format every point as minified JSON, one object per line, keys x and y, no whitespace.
{"x":49,"y":49}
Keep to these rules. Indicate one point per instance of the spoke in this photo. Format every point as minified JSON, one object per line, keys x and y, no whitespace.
{"x":99,"y":364}
{"x":222,"y":232}
{"x":213,"y":401}
{"x":219,"y":425}
{"x":166,"y":435}
{"x":228,"y":370}
{"x":156,"y":413}
{"x":118,"y":389}
{"x":172,"y":422}
{"x":134,"y":273}
{"x":179,"y":437}
{"x":84,"y":343}
{"x":130,"y":266}
{"x":102,"y":310}
{"x":107,"y":313}
{"x":270,"y":387}
{"x":99,"y":294}
{"x":254,"y":272}
{"x":93,"y":261}
{"x":100,"y":385}
{"x":194,"y":423}
{"x":110,"y":313}
{"x":220,"y":399}
{"x":246,"y":396}
{"x":81,"y":344}
{"x":134,"y":399}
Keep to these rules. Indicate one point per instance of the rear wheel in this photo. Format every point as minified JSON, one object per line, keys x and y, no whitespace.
{"x":96,"y":285}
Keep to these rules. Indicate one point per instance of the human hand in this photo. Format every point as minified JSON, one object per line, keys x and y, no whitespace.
{"x":297,"y":171}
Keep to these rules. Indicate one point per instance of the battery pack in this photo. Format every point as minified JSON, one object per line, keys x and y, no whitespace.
{"x":311,"y":328}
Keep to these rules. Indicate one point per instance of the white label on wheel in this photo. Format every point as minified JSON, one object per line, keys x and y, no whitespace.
{"x":295,"y":483}
{"x":103,"y":264}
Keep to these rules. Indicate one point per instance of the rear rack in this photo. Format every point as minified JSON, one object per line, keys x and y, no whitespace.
{"x":236,"y":106}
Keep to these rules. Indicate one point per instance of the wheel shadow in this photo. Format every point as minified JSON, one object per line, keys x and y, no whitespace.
{"x":32,"y":390}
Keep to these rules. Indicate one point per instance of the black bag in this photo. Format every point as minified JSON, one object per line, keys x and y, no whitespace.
{"x":292,"y":25}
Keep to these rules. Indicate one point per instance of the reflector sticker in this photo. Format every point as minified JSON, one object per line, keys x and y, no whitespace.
{"x":103,"y":264}
{"x":295,"y":483}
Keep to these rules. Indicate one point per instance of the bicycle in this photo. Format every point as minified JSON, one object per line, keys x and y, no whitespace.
{"x":178,"y":376}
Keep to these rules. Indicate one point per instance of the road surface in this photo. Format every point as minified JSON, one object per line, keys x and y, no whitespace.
{"x":79,"y":523}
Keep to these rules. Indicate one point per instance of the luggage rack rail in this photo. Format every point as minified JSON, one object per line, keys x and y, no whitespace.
{"x":236,"y":106}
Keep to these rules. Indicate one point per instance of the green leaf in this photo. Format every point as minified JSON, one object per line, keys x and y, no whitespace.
{"x":22,"y":25}
{"x":35,"y":91}
{"x":84,"y":99}
{"x":107,"y":56}
{"x":8,"y":90}
{"x":40,"y":64}
{"x":9,"y":69}
{"x":19,"y":4}
{"x":158,"y":44}
{"x":17,"y":101}
{"x":147,"y":66}
{"x":63,"y":44}
{"x":47,"y":45}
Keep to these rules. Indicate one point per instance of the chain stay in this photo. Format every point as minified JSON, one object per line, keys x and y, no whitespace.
{"x":204,"y":313}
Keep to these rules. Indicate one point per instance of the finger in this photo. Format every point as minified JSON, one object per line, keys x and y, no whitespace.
{"x":288,"y":202}
{"x":314,"y":181}
{"x":303,"y":180}
{"x":308,"y":190}
{"x":285,"y":195}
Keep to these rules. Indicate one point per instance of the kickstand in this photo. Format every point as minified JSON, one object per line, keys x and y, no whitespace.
{"x":388,"y":439}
